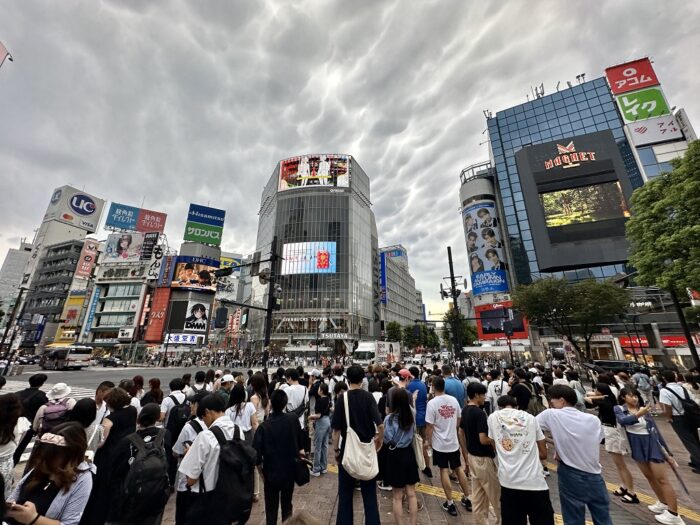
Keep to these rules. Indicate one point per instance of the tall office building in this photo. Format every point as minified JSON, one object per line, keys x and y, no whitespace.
{"x":318,"y":207}
{"x":398,"y":295}
{"x":11,"y":276}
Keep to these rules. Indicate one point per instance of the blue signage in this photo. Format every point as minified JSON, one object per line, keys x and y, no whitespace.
{"x":122,"y":217}
{"x":382,"y":278}
{"x":198,"y":260}
{"x":93,"y":307}
{"x":82,"y":204}
{"x":489,"y":281}
{"x":206,"y":215}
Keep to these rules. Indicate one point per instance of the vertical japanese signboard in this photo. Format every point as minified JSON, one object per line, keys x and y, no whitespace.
{"x":88,"y":257}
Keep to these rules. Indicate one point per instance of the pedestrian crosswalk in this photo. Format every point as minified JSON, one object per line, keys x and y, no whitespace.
{"x":77,"y":392}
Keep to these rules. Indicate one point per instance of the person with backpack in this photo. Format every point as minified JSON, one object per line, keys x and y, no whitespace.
{"x":683,"y":414}
{"x":219,"y":469}
{"x":278,"y":443}
{"x":55,"y":411}
{"x":496,"y":388}
{"x":32,"y":399}
{"x":650,"y":451}
{"x":174,"y":413}
{"x":187,"y":436}
{"x":140,"y":471}
{"x":198,"y":387}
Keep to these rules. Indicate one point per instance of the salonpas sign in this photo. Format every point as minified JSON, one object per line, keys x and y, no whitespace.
{"x":204,"y":225}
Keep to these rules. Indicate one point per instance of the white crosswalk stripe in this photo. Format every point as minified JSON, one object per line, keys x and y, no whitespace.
{"x":77,"y":392}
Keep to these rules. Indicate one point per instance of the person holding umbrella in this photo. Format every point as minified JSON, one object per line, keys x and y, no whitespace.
{"x":648,"y":448}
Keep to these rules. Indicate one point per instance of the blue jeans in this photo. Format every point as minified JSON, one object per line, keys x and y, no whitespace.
{"x":578,"y":490}
{"x":346,"y":490}
{"x":322,"y":429}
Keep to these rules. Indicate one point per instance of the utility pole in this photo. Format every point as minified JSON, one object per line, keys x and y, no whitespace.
{"x":12,"y":315}
{"x":455,"y":293}
{"x":271,"y":299}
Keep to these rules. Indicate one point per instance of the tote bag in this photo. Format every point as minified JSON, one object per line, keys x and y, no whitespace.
{"x":418,"y":449}
{"x":359,"y":459}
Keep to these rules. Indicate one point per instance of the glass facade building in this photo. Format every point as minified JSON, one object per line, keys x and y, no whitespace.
{"x":327,"y":236}
{"x":582,"y":109}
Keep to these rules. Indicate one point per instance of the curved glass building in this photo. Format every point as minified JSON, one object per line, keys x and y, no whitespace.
{"x":319,"y":208}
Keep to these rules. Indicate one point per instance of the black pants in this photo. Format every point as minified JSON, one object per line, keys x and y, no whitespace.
{"x":183,"y":501}
{"x":519,"y":505}
{"x":172,"y":469}
{"x":689,"y":438}
{"x":274,"y":496}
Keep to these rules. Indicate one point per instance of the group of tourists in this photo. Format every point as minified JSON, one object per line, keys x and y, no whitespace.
{"x":220,"y":439}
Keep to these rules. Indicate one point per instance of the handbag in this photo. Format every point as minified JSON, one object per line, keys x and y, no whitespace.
{"x":301,"y":471}
{"x":418,"y":449}
{"x":359,"y":459}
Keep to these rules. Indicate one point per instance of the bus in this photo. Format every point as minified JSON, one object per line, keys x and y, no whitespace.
{"x":66,"y":358}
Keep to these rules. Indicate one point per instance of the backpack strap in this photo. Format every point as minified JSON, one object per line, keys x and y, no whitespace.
{"x":686,"y":398}
{"x":138,"y":443}
{"x":196,"y":425}
{"x":160,"y":437}
{"x":177,"y":403}
{"x":219,"y":435}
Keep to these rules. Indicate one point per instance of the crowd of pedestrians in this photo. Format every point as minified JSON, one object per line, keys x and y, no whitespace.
{"x":219,"y":440}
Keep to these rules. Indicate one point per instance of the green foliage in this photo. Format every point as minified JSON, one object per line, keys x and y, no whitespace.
{"x":394,"y":331}
{"x":571,"y":310}
{"x":409,"y":340}
{"x":692,"y":315}
{"x":664,"y":229}
{"x":450,"y":322}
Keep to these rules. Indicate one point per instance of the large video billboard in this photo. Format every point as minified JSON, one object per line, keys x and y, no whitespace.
{"x":75,"y":207}
{"x":309,"y":257}
{"x":123,"y":247}
{"x":314,"y":170}
{"x":491,"y":318}
{"x":195,"y":273}
{"x":598,"y":202}
{"x":204,"y":224}
{"x":487,"y":266}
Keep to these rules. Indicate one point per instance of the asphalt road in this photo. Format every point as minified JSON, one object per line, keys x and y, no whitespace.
{"x":93,"y":376}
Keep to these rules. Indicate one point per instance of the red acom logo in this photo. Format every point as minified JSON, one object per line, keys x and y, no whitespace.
{"x":568,"y":157}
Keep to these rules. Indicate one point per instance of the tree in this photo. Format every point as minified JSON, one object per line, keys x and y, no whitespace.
{"x":432,"y":340}
{"x":393,"y":331}
{"x":467,"y":331}
{"x":664,"y":229}
{"x":410,"y":339}
{"x":571,"y":310}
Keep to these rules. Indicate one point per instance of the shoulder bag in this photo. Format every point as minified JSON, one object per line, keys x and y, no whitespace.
{"x":359,"y":459}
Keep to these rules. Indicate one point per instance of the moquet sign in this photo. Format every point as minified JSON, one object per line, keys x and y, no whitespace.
{"x":568,"y":157}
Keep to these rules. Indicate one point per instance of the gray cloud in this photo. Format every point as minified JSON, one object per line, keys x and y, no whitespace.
{"x":176,"y":102}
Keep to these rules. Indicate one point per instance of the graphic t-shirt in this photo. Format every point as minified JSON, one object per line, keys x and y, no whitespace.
{"x":443,"y":412}
{"x":516,"y":434}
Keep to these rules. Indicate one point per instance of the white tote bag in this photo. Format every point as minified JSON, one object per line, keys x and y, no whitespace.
{"x":359,"y":459}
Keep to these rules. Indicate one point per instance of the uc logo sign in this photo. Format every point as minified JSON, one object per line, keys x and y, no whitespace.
{"x":82,"y":204}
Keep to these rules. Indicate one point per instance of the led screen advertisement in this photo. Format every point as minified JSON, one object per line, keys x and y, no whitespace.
{"x":308,"y":257}
{"x":593,"y":203}
{"x":195,"y":273}
{"x":197,"y":317}
{"x":123,"y":247}
{"x":491,"y":318}
{"x":487,"y":265}
{"x":314,"y":170}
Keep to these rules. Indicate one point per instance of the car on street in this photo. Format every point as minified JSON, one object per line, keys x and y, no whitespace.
{"x":113,"y":362}
{"x":27,"y":360}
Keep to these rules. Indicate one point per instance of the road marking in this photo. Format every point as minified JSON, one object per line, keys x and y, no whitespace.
{"x":432,"y":490}
{"x":645,"y":498}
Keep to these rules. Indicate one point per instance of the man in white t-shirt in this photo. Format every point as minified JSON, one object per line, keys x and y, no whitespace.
{"x":670,"y":395}
{"x":520,"y":445}
{"x":577,"y":436}
{"x":497,"y":387}
{"x":296,"y":394}
{"x":442,"y":417}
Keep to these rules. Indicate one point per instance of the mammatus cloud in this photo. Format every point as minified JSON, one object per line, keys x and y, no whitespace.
{"x":177,"y":102}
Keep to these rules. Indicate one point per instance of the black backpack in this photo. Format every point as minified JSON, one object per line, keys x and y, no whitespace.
{"x":146,"y":487}
{"x":177,"y":418}
{"x":691,"y":410}
{"x":231,"y":501}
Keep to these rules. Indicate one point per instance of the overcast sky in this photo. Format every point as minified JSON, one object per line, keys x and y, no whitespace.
{"x":172,"y":102}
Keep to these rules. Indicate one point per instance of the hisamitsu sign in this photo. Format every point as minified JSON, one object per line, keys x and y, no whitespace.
{"x":204,"y":224}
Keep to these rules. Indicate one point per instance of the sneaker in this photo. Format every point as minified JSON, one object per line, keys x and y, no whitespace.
{"x":324,"y":471}
{"x":315,"y":474}
{"x":466,"y":504}
{"x":428,"y":473}
{"x":451,"y":509}
{"x":382,"y":486}
{"x":658,"y":507}
{"x":669,"y":519}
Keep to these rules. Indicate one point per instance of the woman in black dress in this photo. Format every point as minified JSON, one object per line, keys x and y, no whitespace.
{"x":120,"y":422}
{"x":401,"y":471}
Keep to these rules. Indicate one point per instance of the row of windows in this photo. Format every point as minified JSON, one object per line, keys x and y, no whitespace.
{"x":114,"y":319}
{"x":123,"y":290}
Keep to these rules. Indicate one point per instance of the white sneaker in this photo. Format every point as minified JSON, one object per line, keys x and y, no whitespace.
{"x":669,"y":519}
{"x":658,"y":507}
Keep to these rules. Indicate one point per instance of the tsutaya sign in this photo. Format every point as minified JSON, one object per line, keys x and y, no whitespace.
{"x":568,"y":157}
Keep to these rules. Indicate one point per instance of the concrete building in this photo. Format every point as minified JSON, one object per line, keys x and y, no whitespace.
{"x":11,"y":277}
{"x":398,"y":295}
